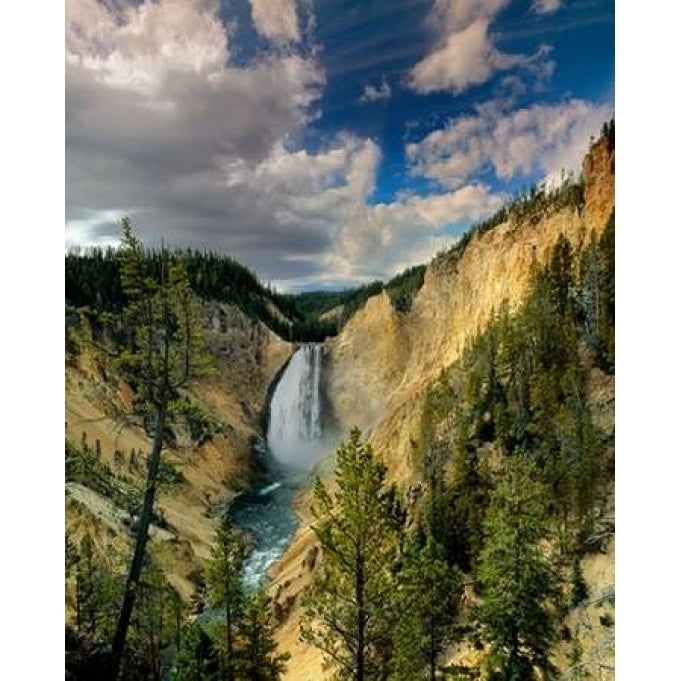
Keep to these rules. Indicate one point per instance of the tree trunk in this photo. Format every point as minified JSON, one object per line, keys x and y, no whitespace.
{"x":359,"y":597}
{"x":132,"y":581}
{"x":433,"y":651}
{"x":230,"y":645}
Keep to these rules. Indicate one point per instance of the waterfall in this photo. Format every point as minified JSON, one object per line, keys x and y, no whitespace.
{"x":294,"y":435}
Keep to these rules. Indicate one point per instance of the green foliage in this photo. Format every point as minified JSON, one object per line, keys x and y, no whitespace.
{"x":469,"y":495}
{"x":597,"y":296}
{"x":522,"y":384}
{"x":402,"y":288}
{"x":238,"y":643}
{"x":82,"y":466}
{"x":606,"y":620}
{"x":313,"y":304}
{"x":346,"y":612}
{"x":94,"y":280}
{"x":578,"y":588}
{"x":259,"y":660}
{"x":225,"y":589}
{"x":607,"y":248}
{"x":167,"y":348}
{"x":99,"y":588}
{"x":513,"y":460}
{"x":577,"y":672}
{"x":95,"y":593}
{"x":70,"y":555}
{"x":156,"y":623}
{"x":519,"y":585}
{"x":608,"y":132}
{"x":198,"y":658}
{"x":202,"y":426}
{"x":168,"y":475}
{"x":223,"y":571}
{"x":307,"y":308}
{"x":165,"y":351}
{"x":427,"y":599}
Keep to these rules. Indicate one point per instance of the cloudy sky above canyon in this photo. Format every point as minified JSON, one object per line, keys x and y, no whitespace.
{"x":323,"y":143}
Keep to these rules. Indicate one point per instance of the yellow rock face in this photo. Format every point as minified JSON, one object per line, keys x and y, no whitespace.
{"x":383,"y":360}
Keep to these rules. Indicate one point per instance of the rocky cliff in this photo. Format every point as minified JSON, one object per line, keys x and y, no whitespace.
{"x":383,"y":360}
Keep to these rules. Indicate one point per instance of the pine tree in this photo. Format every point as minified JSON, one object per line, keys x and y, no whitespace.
{"x":607,"y":259}
{"x":518,"y":581}
{"x":225,"y":587}
{"x":427,"y":600}
{"x":590,"y":299}
{"x":347,"y":611}
{"x":155,"y":618}
{"x":85,"y":597}
{"x":259,"y":660}
{"x":579,"y":589}
{"x":70,"y":555}
{"x":167,"y":352}
{"x":96,"y":592}
{"x":469,"y":493}
{"x":198,"y":657}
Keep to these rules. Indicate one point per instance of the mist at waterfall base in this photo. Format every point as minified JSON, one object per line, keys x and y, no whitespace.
{"x":296,"y":441}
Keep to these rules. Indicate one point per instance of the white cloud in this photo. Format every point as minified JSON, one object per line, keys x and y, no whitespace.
{"x":381,"y":240}
{"x":448,"y":16}
{"x":375,"y":94}
{"x":139,"y":47}
{"x":545,"y":138}
{"x":329,"y":193}
{"x":276,"y":20}
{"x":546,"y":6}
{"x":465,"y":54}
{"x":83,"y":232}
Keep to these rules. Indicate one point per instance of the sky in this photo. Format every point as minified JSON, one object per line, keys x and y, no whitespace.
{"x":324,"y":143}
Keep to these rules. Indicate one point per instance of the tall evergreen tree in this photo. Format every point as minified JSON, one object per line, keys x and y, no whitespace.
{"x":156,"y":617}
{"x":225,"y":588}
{"x":427,"y":601}
{"x":198,"y":657}
{"x":607,"y":253}
{"x":518,"y":581}
{"x":259,"y":660}
{"x":167,"y":351}
{"x":85,"y":591}
{"x":469,"y":494}
{"x":346,"y":612}
{"x":96,"y":592}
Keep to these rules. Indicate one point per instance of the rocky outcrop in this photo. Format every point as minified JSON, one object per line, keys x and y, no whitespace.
{"x":248,"y":354}
{"x":383,"y":360}
{"x":599,"y":182}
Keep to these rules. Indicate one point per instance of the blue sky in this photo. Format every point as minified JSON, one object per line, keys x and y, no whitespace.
{"x":324,"y":143}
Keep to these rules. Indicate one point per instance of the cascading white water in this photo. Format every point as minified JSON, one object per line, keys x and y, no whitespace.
{"x":294,"y":435}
